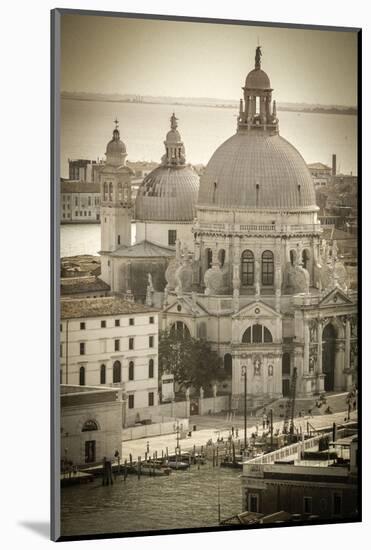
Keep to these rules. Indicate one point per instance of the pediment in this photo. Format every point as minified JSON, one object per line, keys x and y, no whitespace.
{"x":335,"y":297}
{"x":257,"y":309}
{"x":187,"y":307}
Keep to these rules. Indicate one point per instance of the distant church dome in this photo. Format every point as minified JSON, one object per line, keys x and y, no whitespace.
{"x":256,"y":168}
{"x":169,"y":192}
{"x":116,"y":150}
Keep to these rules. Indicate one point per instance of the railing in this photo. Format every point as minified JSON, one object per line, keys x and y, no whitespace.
{"x":258,"y":228}
{"x":290,"y":450}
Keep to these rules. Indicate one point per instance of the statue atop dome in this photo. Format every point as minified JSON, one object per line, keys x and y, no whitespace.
{"x":258,"y":56}
{"x":173,"y":122}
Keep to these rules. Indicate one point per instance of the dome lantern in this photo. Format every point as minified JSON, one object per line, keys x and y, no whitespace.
{"x":169,"y":192}
{"x":256,"y":113}
{"x":174,"y":147}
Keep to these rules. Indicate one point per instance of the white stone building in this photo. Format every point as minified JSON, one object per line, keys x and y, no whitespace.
{"x":259,"y":282}
{"x":111,"y":342}
{"x":91,"y":423}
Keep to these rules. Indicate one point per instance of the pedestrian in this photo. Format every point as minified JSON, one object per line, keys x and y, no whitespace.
{"x":263,"y":423}
{"x":236,"y":433}
{"x":268,"y":422}
{"x":232,"y":431}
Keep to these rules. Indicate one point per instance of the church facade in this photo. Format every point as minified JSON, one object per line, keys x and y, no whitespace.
{"x":259,"y":282}
{"x":247,"y":267}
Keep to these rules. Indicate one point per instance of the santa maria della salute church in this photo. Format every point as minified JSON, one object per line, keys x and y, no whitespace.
{"x":236,"y":256}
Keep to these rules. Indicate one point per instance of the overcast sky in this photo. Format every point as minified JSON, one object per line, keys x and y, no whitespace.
{"x":167,"y":58}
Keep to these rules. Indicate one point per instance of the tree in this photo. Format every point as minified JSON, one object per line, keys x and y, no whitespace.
{"x":192,"y":362}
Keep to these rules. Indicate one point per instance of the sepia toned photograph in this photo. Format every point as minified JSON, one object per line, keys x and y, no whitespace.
{"x":207,"y":372}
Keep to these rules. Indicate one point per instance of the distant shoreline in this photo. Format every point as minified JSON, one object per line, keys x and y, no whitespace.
{"x":293,"y":109}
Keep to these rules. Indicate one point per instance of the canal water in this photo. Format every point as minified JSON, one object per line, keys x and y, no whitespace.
{"x":187,"y":499}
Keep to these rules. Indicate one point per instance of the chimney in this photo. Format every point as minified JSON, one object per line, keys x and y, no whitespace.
{"x":333,"y":165}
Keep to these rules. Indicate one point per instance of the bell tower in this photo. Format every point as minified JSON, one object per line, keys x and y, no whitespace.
{"x":116,"y":202}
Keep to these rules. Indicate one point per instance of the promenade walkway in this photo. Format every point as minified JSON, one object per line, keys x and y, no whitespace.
{"x":213,"y":427}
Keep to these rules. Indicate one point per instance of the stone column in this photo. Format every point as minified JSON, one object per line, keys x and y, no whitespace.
{"x":306,"y":348}
{"x":236,"y":282}
{"x":321,"y":376}
{"x":347,"y":344}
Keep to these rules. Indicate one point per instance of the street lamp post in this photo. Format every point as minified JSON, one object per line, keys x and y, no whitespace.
{"x":244,"y":374}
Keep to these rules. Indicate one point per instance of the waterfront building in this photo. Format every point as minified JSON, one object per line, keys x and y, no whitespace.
{"x":91,"y":423}
{"x":259,"y":282}
{"x":325,"y":487}
{"x":79,"y":202}
{"x":111,"y":342}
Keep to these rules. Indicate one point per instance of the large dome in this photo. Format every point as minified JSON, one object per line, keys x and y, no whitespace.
{"x":257,"y":80}
{"x":168,"y":194}
{"x":256,"y":170}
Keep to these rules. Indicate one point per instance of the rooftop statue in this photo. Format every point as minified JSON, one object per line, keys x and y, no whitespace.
{"x":258,"y":56}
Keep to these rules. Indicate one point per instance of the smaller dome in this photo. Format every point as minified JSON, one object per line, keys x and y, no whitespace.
{"x":257,"y":80}
{"x":115,"y":146}
{"x":173,"y":136}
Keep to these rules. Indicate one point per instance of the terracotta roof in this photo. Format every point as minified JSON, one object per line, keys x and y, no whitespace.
{"x":97,"y":307}
{"x":144,"y":249}
{"x":73,"y":285}
{"x":74,"y":186}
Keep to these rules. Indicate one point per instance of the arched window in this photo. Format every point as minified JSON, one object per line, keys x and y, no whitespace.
{"x":228,"y":364}
{"x":131,"y":370}
{"x":267,"y":268}
{"x":257,"y":334}
{"x":82,"y":376}
{"x":306,"y":259}
{"x":151,"y":368}
{"x":105,"y":191}
{"x":103,"y":374}
{"x":116,"y":378}
{"x":110,"y":191}
{"x":267,"y":336}
{"x":180,"y":329}
{"x":247,"y":268}
{"x":221,"y":257}
{"x":120,"y":191}
{"x":246,"y":338}
{"x":90,"y":426}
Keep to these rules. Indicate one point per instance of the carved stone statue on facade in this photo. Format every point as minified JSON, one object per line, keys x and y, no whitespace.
{"x":257,"y":366}
{"x":150,"y":290}
{"x":270,"y":370}
{"x":201,"y":392}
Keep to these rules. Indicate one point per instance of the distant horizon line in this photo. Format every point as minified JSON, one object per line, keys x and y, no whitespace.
{"x":144,"y":98}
